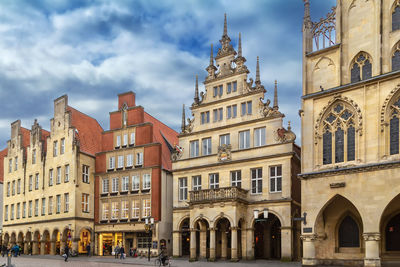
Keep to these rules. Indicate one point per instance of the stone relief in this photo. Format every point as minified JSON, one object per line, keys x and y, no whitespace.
{"x":224,"y":152}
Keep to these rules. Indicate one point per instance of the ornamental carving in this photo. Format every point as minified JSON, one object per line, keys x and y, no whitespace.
{"x":386,"y":106}
{"x":324,"y":30}
{"x":266,"y":110}
{"x":282,"y":135}
{"x":372,"y":236}
{"x":176,"y":153}
{"x":308,"y":238}
{"x":224,"y":152}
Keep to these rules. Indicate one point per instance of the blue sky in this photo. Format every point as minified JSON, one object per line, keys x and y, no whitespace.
{"x":94,"y":50}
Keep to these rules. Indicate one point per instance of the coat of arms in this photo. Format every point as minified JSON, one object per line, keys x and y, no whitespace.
{"x":224,"y":152}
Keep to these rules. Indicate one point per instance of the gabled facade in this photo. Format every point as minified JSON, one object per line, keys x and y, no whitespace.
{"x":235,"y":157}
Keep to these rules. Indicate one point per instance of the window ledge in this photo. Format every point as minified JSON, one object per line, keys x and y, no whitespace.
{"x":123,"y":193}
{"x":135,"y":191}
{"x":104,"y":194}
{"x":146,"y":190}
{"x":113,"y":193}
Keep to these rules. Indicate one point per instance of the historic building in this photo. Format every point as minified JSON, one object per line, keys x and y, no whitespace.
{"x":49,"y":192}
{"x":134,"y":181}
{"x":235,"y":169}
{"x":350,"y":134}
{"x":3,"y":154}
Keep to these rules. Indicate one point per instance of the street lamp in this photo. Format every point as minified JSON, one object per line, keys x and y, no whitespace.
{"x":256,"y":213}
{"x":149,"y":225}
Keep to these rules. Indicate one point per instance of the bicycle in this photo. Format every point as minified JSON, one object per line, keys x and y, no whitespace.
{"x":158,"y":262}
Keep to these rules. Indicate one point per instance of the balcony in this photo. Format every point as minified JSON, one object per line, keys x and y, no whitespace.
{"x":218,"y":194}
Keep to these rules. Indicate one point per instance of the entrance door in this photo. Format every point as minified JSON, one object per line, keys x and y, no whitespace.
{"x":393,"y":234}
{"x":267,"y":237}
{"x":185,"y":243}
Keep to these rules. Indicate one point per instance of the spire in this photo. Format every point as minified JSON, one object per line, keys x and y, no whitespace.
{"x":307,"y":17}
{"x":196,"y":91}
{"x":276,"y":107}
{"x":258,"y":71}
{"x":225,"y":27}
{"x":211,"y":56}
{"x":240,"y":45}
{"x":183,"y":127}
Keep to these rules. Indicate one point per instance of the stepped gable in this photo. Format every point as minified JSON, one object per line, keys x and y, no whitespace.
{"x":3,"y":154}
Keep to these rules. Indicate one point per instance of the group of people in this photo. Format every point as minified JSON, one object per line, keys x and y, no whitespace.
{"x":119,"y":251}
{"x":14,"y":250}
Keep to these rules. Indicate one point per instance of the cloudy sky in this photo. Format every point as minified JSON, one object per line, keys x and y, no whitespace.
{"x":94,"y":50}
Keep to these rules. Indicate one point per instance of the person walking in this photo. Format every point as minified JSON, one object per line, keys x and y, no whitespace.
{"x":66,"y":252}
{"x":116,"y":251}
{"x":88,"y":249}
{"x":3,"y":250}
{"x":122,"y":252}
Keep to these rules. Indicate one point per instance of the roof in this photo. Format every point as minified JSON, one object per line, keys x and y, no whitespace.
{"x":161,"y":133}
{"x":45,"y":134}
{"x":3,"y":154}
{"x":89,"y":131}
{"x":26,"y":137}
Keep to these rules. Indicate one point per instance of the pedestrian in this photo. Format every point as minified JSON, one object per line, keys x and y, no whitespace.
{"x":116,"y":251}
{"x":122,"y":252}
{"x":66,"y":252}
{"x":3,"y":250}
{"x":88,"y":249}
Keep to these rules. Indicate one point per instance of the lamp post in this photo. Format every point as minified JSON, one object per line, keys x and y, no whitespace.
{"x":256,"y":213}
{"x":149,"y":225}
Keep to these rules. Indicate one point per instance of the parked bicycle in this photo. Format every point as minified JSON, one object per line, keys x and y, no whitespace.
{"x":159,"y":262}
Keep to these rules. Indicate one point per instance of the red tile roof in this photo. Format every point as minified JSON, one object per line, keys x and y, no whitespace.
{"x":3,"y":154}
{"x":26,"y":137}
{"x":160,"y":130}
{"x":89,"y":131}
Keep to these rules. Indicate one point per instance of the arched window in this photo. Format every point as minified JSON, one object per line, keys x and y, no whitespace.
{"x":396,"y":57}
{"x":361,"y":67}
{"x":338,"y":135}
{"x":396,"y":16}
{"x":349,"y":234}
{"x":394,"y":127}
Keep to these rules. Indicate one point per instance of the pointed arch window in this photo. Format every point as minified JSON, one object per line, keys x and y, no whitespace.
{"x":396,"y":57}
{"x":396,"y":16}
{"x":394,"y":127}
{"x":361,"y":67}
{"x":338,"y":135}
{"x":349,"y":233}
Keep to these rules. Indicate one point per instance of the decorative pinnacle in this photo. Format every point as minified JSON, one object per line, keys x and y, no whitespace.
{"x":276,"y":107}
{"x":211,"y":56}
{"x":196,"y":91}
{"x":307,"y":18}
{"x":225,"y":27}
{"x":258,"y":71}
{"x":183,"y":127}
{"x":240,"y":45}
{"x":288,"y":126}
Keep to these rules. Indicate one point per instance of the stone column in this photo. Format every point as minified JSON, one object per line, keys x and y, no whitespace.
{"x":26,"y":250}
{"x":372,"y":258}
{"x":250,"y":244}
{"x":212,"y":244}
{"x":35,"y":247}
{"x":123,"y":240}
{"x":203,"y":244}
{"x":234,"y":243}
{"x":192,"y":244}
{"x":100,"y":245}
{"x":42,"y":247}
{"x":224,"y":244}
{"x":52,"y":247}
{"x":177,"y":244}
{"x":309,"y":258}
{"x":95,"y":244}
{"x":286,"y":244}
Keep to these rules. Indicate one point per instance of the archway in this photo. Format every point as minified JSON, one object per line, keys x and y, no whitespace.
{"x":45,"y":244}
{"x":13,"y":240}
{"x":6,"y":239}
{"x":223,"y":238}
{"x":202,"y":238}
{"x":185,"y":237}
{"x":36,"y":249}
{"x":66,"y":239}
{"x":85,"y":237}
{"x":28,"y":245}
{"x":56,"y":238}
{"x":267,"y":237}
{"x":20,"y":240}
{"x":390,"y":229}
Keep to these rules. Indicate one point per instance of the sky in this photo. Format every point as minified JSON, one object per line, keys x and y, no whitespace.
{"x":94,"y":50}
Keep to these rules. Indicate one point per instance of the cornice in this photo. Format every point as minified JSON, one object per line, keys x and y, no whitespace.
{"x":47,"y":221}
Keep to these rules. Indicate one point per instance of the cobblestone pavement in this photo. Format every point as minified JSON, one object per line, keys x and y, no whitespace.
{"x":82,"y":261}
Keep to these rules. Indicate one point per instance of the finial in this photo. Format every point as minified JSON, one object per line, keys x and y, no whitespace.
{"x":211,"y":56}
{"x":196,"y":91}
{"x":276,"y":96}
{"x":307,"y":18}
{"x":183,"y":127}
{"x":225,"y":27}
{"x":240,"y":45}
{"x":258,"y":71}
{"x":288,"y":126}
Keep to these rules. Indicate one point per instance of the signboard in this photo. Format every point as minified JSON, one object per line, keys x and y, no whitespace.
{"x":307,"y":230}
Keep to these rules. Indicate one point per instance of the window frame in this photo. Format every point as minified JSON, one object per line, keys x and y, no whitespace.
{"x":275,"y":177}
{"x":183,"y":189}
{"x":213,"y":180}
{"x":256,"y":180}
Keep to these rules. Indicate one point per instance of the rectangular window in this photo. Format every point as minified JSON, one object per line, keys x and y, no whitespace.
{"x":30,"y":182}
{"x":214,"y":180}
{"x":66,"y":202}
{"x":37,"y":181}
{"x":66,"y":174}
{"x":194,"y":148}
{"x":12,"y":212}
{"x":125,"y":143}
{"x":135,"y":209}
{"x":114,"y":210}
{"x":229,"y":112}
{"x":58,"y":180}
{"x":118,"y":141}
{"x":183,"y":190}
{"x":220,"y":90}
{"x":146,"y":208}
{"x":36,"y":207}
{"x":106,"y":185}
{"x":19,"y":186}
{"x":23,"y":209}
{"x":6,"y":212}
{"x":215,"y":115}
{"x":62,"y":146}
{"x":105,"y":211}
{"x":30,"y":208}
{"x":58,"y":203}
{"x":259,"y":137}
{"x":224,"y":139}
{"x":111,"y":163}
{"x":132,"y":141}
{"x":244,"y":139}
{"x":243,"y":105}
{"x":43,"y":206}
{"x":125,"y":184}
{"x":120,"y":162}
{"x":206,"y":148}
{"x":236,"y":178}
{"x":139,"y":159}
{"x":18,"y":210}
{"x":10,"y":165}
{"x":234,"y":111}
{"x":85,"y":202}
{"x":196,"y":183}
{"x":220,"y":114}
{"x":50,"y":177}
{"x":34,"y":156}
{"x":16,"y":163}
{"x":229,"y":88}
{"x":13,"y":187}
{"x":50,"y":205}
{"x":8,"y":189}
{"x":85,"y":174}
{"x":115,"y":185}
{"x":129,"y":160}
{"x":55,"y":148}
{"x":124,"y":209}
{"x":135,"y":183}
{"x":205,"y":117}
{"x":249,"y":108}
{"x":215,"y":91}
{"x":275,"y":179}
{"x":234,"y":86}
{"x":146,"y":181}
{"x":256,"y":181}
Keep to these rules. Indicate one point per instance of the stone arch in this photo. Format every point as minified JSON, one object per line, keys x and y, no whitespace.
{"x":395,"y":52}
{"x":387,"y":103}
{"x":393,"y":8}
{"x":391,"y":210}
{"x":181,"y":220}
{"x":323,"y":59}
{"x":20,"y":238}
{"x":280,"y":218}
{"x":339,"y":222}
{"x":198,"y":218}
{"x":323,"y":74}
{"x":361,"y":59}
{"x":6,"y":238}
{"x":86,"y":236}
{"x":13,"y":238}
{"x":220,"y":216}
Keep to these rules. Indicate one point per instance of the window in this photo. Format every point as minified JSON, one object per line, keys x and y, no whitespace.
{"x":205,"y":117}
{"x":114,"y":210}
{"x":246,"y":108}
{"x":234,"y":85}
{"x":139,"y":159}
{"x":50,"y":205}
{"x":135,"y":209}
{"x":16,"y":163}
{"x":85,"y":202}
{"x":105,"y":211}
{"x":349,"y":235}
{"x":144,"y":241}
{"x":50,"y":177}
{"x":12,"y":212}
{"x":13,"y":187}
{"x":125,"y":143}
{"x":66,"y":174}
{"x":215,"y":115}
{"x":249,"y":108}
{"x":135,"y":183}
{"x":244,"y":139}
{"x":361,"y":67}
{"x":30,"y":183}
{"x":259,"y":137}
{"x":206,"y":149}
{"x":58,"y":180}
{"x":229,"y":112}
{"x":10,"y":165}
{"x":118,"y":141}
{"x":124,"y":209}
{"x":396,"y":17}
{"x":66,"y":202}
{"x":37,"y":181}
{"x":220,"y":90}
{"x":214,"y":180}
{"x":215,"y":91}
{"x":183,"y":190}
{"x":6,"y":212}
{"x":58,"y":203}
{"x":256,"y":181}
{"x":34,"y":156}
{"x":36,"y":207}
{"x":115,"y":185}
{"x":132,"y":141}
{"x":62,"y":146}
{"x":30,"y":208}
{"x":146,"y":181}
{"x":19,"y":186}
{"x":18,"y":210}
{"x":220,"y":114}
{"x":55,"y":148}
{"x":111,"y":163}
{"x":224,"y":139}
{"x":85,"y":174}
{"x":8,"y":189}
{"x":275,"y":179}
{"x":243,"y":108}
{"x":106,"y":185}
{"x":125,"y":184}
{"x":396,"y":58}
{"x":120,"y":162}
{"x":146,"y":208}
{"x":43,"y":206}
{"x":129,"y":160}
{"x":229,"y":88}
{"x":194,"y":148}
{"x":196,"y":182}
{"x":236,"y":178}
{"x":23,"y":209}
